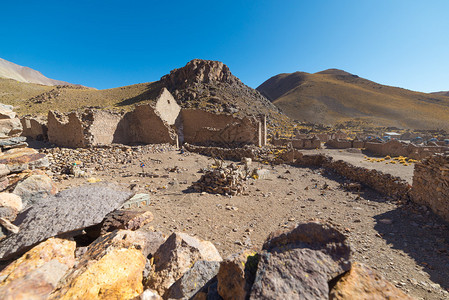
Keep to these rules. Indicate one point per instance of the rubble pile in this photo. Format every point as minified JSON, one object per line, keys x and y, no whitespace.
{"x":223,"y":179}
{"x":80,"y":162}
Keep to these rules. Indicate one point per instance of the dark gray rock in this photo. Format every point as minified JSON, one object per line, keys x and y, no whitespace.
{"x":193,"y":280}
{"x":8,"y":213}
{"x":66,"y":212}
{"x":14,"y":142}
{"x":298,"y":264}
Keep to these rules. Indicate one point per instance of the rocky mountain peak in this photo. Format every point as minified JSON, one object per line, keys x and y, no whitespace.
{"x":199,"y":71}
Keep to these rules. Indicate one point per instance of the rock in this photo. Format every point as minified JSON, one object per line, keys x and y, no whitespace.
{"x":193,"y":280}
{"x":8,"y":226}
{"x":111,"y":273}
{"x":262,"y":173}
{"x":65,"y":212}
{"x":137,"y":200}
{"x":126,"y":219}
{"x":145,"y":241}
{"x":298,"y":264}
{"x":173,"y":258}
{"x":11,"y":200}
{"x":236,"y":275}
{"x":150,"y":294}
{"x":6,"y":111}
{"x":4,"y":170}
{"x":14,"y":142}
{"x":35,"y":188}
{"x":36,"y":273}
{"x":4,"y":183}
{"x":362,"y":282}
{"x":17,"y":160}
{"x":8,"y":213}
{"x":10,"y":128}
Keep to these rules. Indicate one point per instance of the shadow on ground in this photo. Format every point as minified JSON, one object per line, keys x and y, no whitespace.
{"x":422,"y":235}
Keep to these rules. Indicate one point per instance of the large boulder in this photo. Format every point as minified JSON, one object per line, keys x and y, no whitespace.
{"x":64,"y":213}
{"x":175,"y":257}
{"x":111,"y":268}
{"x":298,"y":264}
{"x":362,"y":282}
{"x":36,"y":274}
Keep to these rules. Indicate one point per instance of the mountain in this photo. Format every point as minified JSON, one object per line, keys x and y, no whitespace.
{"x":10,"y":70}
{"x":203,"y":84}
{"x":335,"y":96}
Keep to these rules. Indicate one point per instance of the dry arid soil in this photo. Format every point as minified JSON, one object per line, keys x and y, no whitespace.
{"x":405,"y":243}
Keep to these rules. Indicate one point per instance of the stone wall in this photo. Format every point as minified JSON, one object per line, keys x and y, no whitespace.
{"x":144,"y":126}
{"x":204,"y":128}
{"x":66,"y":130}
{"x":235,"y":154}
{"x":391,"y":148}
{"x":94,"y":127}
{"x":35,"y":128}
{"x":100,"y":126}
{"x":305,"y":143}
{"x":166,"y":107}
{"x":339,"y":144}
{"x":383,"y":183}
{"x":431,"y":184}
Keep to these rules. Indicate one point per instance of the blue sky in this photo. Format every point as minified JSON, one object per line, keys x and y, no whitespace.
{"x":105,"y":44}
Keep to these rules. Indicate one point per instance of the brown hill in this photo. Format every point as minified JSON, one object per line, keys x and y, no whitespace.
{"x":203,"y":84}
{"x":442,"y":93}
{"x":335,"y":96}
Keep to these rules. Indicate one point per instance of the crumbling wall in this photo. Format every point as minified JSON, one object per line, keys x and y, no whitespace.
{"x":35,"y":128}
{"x":205,"y":128}
{"x":166,"y":107}
{"x":100,"y":126}
{"x":66,"y":130}
{"x":339,"y":144}
{"x":305,"y":143}
{"x":392,"y":148}
{"x":431,"y":184}
{"x":143,"y":125}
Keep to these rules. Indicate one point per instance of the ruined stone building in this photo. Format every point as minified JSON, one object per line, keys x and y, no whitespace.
{"x":162,"y":121}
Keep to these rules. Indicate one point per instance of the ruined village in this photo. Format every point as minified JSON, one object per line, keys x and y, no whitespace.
{"x":177,"y":197}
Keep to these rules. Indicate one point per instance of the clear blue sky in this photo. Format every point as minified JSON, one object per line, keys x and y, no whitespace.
{"x":106,"y":44}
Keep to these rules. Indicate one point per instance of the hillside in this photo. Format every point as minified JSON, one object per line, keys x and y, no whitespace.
{"x":335,"y":96}
{"x":13,"y":71}
{"x":442,"y":93}
{"x":203,"y":84}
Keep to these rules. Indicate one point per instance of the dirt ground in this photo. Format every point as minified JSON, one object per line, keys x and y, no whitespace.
{"x":405,"y":243}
